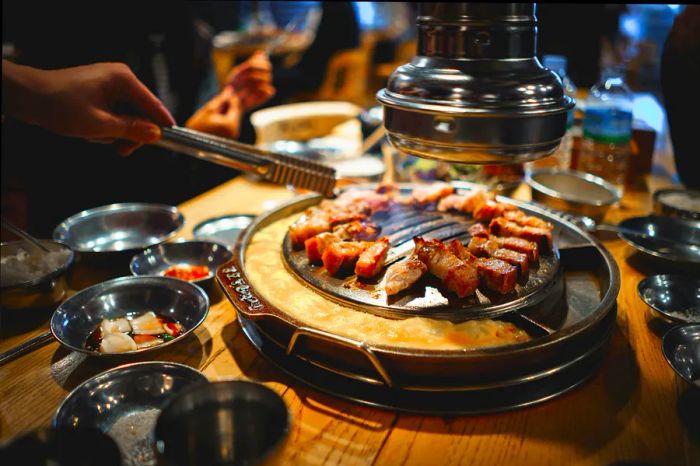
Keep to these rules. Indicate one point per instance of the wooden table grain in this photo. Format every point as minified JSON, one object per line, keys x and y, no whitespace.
{"x":634,"y":410}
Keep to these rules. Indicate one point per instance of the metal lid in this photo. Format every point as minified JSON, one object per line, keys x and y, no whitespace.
{"x":475,"y":93}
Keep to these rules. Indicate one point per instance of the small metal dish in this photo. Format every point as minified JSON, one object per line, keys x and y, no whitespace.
{"x":75,"y":320}
{"x":45,"y":291}
{"x":125,"y":402}
{"x":681,"y":347}
{"x":674,"y":298}
{"x":157,"y":259}
{"x":572,"y":191}
{"x":666,"y":202}
{"x":114,"y":233}
{"x":222,"y":423}
{"x":673,"y":239}
{"x":224,"y":230}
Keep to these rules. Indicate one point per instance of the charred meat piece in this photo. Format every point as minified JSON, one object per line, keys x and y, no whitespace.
{"x":503,"y":227}
{"x":480,"y":230}
{"x":519,"y":217}
{"x":372,"y":259}
{"x":482,"y":247}
{"x":457,"y":275}
{"x":308,"y":226}
{"x":497,"y":275}
{"x":491,"y":209}
{"x":432,"y":192}
{"x":404,"y":274}
{"x":358,"y":230}
{"x":375,"y":201}
{"x":316,"y":245}
{"x":322,"y":218}
{"x":342,"y":256}
{"x":451,"y":202}
{"x":521,"y":245}
{"x":517,"y":259}
{"x":466,"y":203}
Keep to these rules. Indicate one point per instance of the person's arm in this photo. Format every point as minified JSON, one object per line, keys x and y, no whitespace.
{"x":248,"y":85}
{"x":95,"y":102}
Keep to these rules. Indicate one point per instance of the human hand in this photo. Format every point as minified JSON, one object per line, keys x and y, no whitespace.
{"x":86,"y":102}
{"x":221,"y":116}
{"x":252,"y":80}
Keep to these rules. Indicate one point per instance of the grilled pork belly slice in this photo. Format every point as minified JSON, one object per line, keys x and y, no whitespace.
{"x":482,"y":247}
{"x":307,"y":227}
{"x":497,"y":275}
{"x":315,"y":246}
{"x":480,"y":230}
{"x":374,"y":200}
{"x":372,"y":259}
{"x":342,"y":256}
{"x":404,"y":274}
{"x":490,"y":209}
{"x":503,"y":227}
{"x":515,"y":258}
{"x":457,"y":275}
{"x":494,"y":273}
{"x":322,"y":218}
{"x":521,"y":245}
{"x":519,"y":217}
{"x":432,"y":192}
{"x":465,"y":203}
{"x":358,"y":230}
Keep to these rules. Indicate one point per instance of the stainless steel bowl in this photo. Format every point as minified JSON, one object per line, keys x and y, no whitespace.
{"x":572,"y":191}
{"x":157,"y":259}
{"x":681,"y":347}
{"x":75,"y":319}
{"x":673,"y":298}
{"x":112,"y":234}
{"x":125,"y":402}
{"x":665,"y":204}
{"x":45,"y":291}
{"x":224,"y":230}
{"x":222,"y":423}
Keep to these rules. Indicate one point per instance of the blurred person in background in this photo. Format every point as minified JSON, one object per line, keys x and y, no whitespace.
{"x":580,"y":32}
{"x":337,"y":30}
{"x":55,"y":177}
{"x":680,"y":77}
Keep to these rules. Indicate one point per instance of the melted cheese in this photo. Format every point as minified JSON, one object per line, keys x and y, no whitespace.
{"x":268,"y":275}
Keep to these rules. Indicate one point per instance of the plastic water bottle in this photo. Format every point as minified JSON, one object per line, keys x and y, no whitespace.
{"x":607,"y":128}
{"x":561,"y":158}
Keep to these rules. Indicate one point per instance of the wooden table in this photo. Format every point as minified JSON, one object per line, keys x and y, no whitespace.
{"x":632,"y":411}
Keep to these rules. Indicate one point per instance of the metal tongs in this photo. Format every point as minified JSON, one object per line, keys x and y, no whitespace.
{"x":277,"y":168}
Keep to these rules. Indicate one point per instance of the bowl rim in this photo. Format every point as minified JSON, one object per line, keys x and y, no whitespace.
{"x":110,"y":372}
{"x":230,"y":382}
{"x":664,"y":345}
{"x":537,"y":186}
{"x":642,"y":285}
{"x":691,"y":214}
{"x":128,"y":279}
{"x":152,"y":250}
{"x":62,"y":228}
{"x":49,"y":276}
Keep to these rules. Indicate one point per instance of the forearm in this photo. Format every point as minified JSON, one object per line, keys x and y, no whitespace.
{"x":21,"y":89}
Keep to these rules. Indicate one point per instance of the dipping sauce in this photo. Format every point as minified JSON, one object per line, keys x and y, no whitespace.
{"x":187,"y":272}
{"x":132,"y":332}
